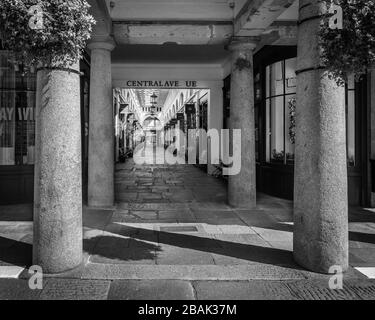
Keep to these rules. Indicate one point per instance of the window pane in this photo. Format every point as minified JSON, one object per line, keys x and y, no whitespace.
{"x":268,"y":81}
{"x":351,"y":128}
{"x":276,"y":72}
{"x":7,"y":127}
{"x":290,"y":75}
{"x":268,"y":130}
{"x":256,"y":111}
{"x":257,"y":86}
{"x":17,"y":111}
{"x":277,"y":129}
{"x":290,"y":108}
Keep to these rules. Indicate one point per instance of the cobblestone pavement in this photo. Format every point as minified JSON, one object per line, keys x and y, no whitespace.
{"x":172,"y":236}
{"x":80,"y":289}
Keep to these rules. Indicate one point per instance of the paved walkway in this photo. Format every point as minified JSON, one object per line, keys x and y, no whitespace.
{"x":172,"y":235}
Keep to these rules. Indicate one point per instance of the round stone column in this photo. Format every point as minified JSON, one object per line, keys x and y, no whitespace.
{"x":58,"y":183}
{"x":242,"y":187}
{"x":101,"y":126}
{"x":320,"y":193}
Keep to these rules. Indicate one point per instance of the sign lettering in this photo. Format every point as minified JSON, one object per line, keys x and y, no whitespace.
{"x":161,"y":84}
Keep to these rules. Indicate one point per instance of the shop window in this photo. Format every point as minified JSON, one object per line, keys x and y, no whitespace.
{"x":17,"y":113}
{"x":280,"y":113}
{"x":280,"y":107}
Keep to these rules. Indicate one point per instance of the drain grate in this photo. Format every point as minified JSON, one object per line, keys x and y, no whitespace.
{"x":179,"y":229}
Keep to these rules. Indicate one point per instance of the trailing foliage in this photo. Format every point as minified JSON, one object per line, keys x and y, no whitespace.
{"x":52,"y":32}
{"x":292,"y":120}
{"x":350,"y":50}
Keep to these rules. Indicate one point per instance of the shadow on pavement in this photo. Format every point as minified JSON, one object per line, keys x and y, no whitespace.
{"x":15,"y":252}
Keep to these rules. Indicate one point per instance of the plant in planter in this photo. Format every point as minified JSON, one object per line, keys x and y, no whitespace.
{"x":350,"y":50}
{"x":48,"y":33}
{"x":278,"y":156}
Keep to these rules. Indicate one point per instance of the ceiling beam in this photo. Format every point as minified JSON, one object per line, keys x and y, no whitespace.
{"x":183,"y":33}
{"x":257,"y":15}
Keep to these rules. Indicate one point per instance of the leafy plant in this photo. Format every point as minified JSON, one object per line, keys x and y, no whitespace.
{"x":52,"y":32}
{"x":350,"y":50}
{"x":292,"y":120}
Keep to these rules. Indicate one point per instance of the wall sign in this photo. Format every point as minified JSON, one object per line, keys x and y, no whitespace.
{"x":162,"y":84}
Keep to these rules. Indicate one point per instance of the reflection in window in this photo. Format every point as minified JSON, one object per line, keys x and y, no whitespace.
{"x":17,"y":113}
{"x":280,"y":110}
{"x":258,"y":97}
{"x":350,"y":121}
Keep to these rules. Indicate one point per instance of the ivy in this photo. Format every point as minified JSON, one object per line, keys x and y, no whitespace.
{"x":292,"y":120}
{"x":243,"y":63}
{"x":350,"y":50}
{"x":52,"y":32}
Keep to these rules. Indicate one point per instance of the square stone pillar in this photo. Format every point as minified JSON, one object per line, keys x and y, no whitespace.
{"x":242,"y":187}
{"x":320,"y":192}
{"x":101,"y":127}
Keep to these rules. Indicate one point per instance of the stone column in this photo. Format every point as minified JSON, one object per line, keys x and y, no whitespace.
{"x":58,"y":181}
{"x":320,"y":193}
{"x":101,"y":129}
{"x":242,"y":187}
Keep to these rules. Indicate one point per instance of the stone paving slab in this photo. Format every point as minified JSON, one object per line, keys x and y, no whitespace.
{"x":9,"y":272}
{"x":81,"y":289}
{"x":151,"y":290}
{"x":74,"y":289}
{"x":319,"y":290}
{"x":190,"y":272}
{"x":171,"y":255}
{"x":14,"y":289}
{"x":283,"y":290}
{"x":242,"y":290}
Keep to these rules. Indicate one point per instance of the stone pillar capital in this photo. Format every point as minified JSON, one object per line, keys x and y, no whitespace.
{"x":101,"y":42}
{"x":243,"y":44}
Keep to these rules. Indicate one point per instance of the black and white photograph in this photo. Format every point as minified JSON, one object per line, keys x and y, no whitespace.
{"x":187,"y":155}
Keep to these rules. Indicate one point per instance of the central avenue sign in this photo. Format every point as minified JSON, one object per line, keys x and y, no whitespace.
{"x":168,"y":84}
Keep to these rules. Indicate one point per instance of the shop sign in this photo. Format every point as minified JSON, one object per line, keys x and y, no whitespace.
{"x":162,"y":84}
